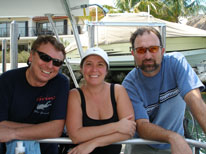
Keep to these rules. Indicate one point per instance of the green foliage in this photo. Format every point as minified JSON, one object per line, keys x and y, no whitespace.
{"x":22,"y":57}
{"x":7,"y":57}
{"x":64,"y":42}
{"x":169,"y":10}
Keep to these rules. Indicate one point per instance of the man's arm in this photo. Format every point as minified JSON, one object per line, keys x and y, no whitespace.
{"x":151,"y":131}
{"x":12,"y":124}
{"x":197,"y":106}
{"x":51,"y":129}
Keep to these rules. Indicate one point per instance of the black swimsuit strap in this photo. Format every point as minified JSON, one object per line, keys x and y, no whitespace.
{"x":82,"y":99}
{"x":113,"y":98}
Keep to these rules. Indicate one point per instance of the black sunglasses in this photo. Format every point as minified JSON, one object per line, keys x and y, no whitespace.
{"x":47,"y":58}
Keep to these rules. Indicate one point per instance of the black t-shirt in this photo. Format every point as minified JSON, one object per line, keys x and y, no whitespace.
{"x":20,"y":102}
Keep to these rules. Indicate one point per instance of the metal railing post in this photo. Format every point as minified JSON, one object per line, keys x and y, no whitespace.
{"x":66,"y":5}
{"x":66,"y":140}
{"x":91,"y":36}
{"x":67,"y":62}
{"x":14,"y":45}
{"x":92,"y":24}
{"x":4,"y":49}
{"x":53,"y":27}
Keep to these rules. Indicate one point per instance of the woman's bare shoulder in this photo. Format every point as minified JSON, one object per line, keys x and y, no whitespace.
{"x":119,"y":87}
{"x":74,"y":93}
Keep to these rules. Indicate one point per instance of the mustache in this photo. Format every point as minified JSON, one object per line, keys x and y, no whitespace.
{"x":148,"y":60}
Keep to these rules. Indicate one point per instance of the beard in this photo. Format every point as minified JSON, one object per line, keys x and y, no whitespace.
{"x":149,"y":68}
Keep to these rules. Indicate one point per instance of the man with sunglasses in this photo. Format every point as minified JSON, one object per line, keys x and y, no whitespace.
{"x":160,"y":87}
{"x":33,"y":99}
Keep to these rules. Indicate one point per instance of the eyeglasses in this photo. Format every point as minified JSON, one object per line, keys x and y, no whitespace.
{"x":142,"y":50}
{"x":47,"y":58}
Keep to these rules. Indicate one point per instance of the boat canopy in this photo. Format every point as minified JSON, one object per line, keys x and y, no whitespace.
{"x":121,"y":34}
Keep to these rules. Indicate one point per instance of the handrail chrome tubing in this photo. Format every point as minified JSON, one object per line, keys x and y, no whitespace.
{"x":65,"y":140}
{"x":129,"y":24}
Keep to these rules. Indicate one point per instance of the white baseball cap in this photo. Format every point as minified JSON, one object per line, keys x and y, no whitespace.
{"x":96,"y":51}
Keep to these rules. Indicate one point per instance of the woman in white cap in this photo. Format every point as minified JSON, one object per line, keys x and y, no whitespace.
{"x":99,"y":113}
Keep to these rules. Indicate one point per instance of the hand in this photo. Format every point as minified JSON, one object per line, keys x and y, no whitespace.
{"x":84,"y":148}
{"x":6,"y":134}
{"x":127,"y":126}
{"x":179,"y":145}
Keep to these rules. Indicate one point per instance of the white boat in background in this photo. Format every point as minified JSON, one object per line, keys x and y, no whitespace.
{"x":112,"y":34}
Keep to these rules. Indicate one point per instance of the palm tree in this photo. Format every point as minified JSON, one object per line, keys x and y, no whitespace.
{"x":195,"y":7}
{"x":125,"y":5}
{"x":184,"y":8}
{"x":169,"y":10}
{"x":156,"y":7}
{"x":175,"y":9}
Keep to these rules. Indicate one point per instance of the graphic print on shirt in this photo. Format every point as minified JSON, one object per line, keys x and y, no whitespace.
{"x":43,"y":105}
{"x":168,"y":94}
{"x":152,"y":110}
{"x":41,"y":110}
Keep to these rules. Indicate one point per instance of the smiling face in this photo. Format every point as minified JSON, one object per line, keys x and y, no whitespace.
{"x":40,"y":72}
{"x":149,"y":63}
{"x":94,"y":70}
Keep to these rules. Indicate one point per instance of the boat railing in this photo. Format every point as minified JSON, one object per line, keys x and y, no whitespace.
{"x":65,"y":140}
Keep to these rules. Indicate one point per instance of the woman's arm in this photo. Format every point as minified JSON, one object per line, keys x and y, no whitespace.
{"x":125,"y":113}
{"x":89,"y":146}
{"x":124,"y":105}
{"x":76,"y":131}
{"x":80,"y":134}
